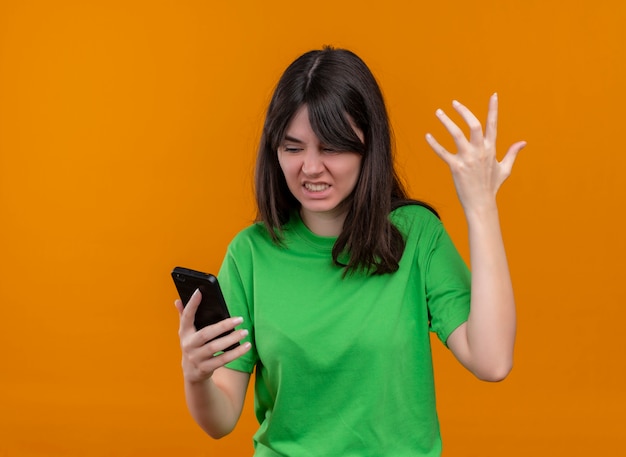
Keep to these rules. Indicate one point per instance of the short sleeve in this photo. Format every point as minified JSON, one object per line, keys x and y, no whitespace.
{"x":448,"y":285}
{"x":239,"y":303}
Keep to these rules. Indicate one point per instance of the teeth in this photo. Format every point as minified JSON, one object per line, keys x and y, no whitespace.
{"x":316,"y":187}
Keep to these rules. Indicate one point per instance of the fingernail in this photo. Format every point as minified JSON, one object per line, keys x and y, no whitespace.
{"x":237,"y":320}
{"x":455,"y":103}
{"x":439,"y":112}
{"x":196,"y":292}
{"x":244,"y":333}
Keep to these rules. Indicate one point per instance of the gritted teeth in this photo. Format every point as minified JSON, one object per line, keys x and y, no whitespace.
{"x":316,"y":187}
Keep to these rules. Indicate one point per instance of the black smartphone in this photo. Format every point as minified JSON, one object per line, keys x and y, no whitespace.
{"x":212,"y":308}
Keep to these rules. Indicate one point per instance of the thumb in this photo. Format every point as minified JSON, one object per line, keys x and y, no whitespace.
{"x":179,"y":307}
{"x":511,"y":155}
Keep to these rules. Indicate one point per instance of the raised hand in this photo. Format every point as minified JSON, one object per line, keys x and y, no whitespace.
{"x":475,"y":169}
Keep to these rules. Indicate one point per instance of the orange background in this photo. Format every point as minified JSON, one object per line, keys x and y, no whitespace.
{"x":127,"y":141}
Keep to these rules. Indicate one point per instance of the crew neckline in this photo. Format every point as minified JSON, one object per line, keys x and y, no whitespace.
{"x":300,"y":228}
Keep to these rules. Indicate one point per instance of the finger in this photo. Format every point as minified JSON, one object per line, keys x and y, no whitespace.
{"x":491,"y":129}
{"x":224,"y":342}
{"x":509,"y":159}
{"x":229,"y":356}
{"x":208,"y":341}
{"x":455,"y":131}
{"x":439,"y":150}
{"x":211,"y":332}
{"x":214,"y":362}
{"x":189,"y":312}
{"x":475,"y":127}
{"x":203,"y":364}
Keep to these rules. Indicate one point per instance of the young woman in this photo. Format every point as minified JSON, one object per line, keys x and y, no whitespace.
{"x":337,"y":286}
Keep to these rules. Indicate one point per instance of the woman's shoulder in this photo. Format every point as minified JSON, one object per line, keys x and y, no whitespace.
{"x":414,"y":212}
{"x":420,"y":226}
{"x":252,"y":234}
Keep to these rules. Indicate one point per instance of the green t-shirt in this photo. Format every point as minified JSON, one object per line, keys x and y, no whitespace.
{"x":343,"y":365}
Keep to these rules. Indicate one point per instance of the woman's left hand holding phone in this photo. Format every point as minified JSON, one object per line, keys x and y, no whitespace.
{"x":201,"y":359}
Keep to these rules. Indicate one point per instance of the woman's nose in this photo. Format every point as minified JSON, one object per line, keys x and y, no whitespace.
{"x":313,"y":164}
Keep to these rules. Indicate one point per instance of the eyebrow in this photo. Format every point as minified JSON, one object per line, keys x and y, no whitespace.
{"x":292,"y":139}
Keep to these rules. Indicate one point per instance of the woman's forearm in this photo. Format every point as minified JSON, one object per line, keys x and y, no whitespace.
{"x":216,"y":403}
{"x":491,"y":327}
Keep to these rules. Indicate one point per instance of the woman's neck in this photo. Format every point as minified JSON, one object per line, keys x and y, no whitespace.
{"x":323,"y":224}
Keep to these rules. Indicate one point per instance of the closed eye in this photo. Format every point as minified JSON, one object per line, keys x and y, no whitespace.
{"x":292,"y":144}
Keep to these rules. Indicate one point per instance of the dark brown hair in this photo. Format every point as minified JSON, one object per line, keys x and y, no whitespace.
{"x":337,"y":88}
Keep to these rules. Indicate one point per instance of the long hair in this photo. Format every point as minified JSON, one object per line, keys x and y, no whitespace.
{"x":337,"y":88}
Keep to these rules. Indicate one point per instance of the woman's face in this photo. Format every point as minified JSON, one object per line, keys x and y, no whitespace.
{"x":319,"y":177}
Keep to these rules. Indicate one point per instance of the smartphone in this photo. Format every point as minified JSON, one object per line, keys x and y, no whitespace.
{"x":212,"y":308}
